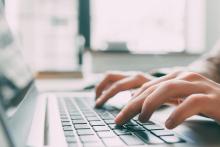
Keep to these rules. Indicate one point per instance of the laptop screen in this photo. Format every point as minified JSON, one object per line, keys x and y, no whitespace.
{"x":15,"y":77}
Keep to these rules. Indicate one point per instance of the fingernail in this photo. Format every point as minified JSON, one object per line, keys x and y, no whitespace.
{"x":143,"y":118}
{"x":169,"y":124}
{"x":118,"y":117}
{"x":140,"y":118}
{"x":98,"y":102}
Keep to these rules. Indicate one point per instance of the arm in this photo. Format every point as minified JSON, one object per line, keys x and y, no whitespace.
{"x":209,"y":64}
{"x":196,"y":95}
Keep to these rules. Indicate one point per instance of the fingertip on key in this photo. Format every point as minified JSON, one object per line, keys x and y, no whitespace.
{"x":118,"y":118}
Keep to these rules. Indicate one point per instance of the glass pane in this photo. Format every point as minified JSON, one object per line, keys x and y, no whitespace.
{"x":138,"y":25}
{"x":48,"y":29}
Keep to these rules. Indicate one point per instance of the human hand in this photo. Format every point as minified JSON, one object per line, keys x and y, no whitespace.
{"x":115,"y":82}
{"x":197,"y":95}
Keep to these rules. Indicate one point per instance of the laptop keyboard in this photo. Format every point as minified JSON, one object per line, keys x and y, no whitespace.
{"x":87,"y":126}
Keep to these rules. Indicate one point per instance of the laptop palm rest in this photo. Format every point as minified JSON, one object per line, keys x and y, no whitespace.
{"x":37,"y":130}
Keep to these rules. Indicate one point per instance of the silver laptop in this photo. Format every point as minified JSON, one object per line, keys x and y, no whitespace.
{"x":30,"y":118}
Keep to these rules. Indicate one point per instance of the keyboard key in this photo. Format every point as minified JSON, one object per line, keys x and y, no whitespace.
{"x":85,"y":110}
{"x":62,"y":113}
{"x":63,"y":117}
{"x":92,"y":118}
{"x":114,"y":112}
{"x":109,"y":121}
{"x":171,"y":139}
{"x":131,"y":123}
{"x":113,"y":142}
{"x":85,"y":132}
{"x":153,"y":127}
{"x":149,"y":138}
{"x":96,"y":123}
{"x":81,"y":126}
{"x":99,"y":111}
{"x":65,"y":120}
{"x":89,"y":114}
{"x":77,"y":117}
{"x":67,"y":128}
{"x":131,"y":140}
{"x":135,"y":128}
{"x":79,"y":122}
{"x":106,"y":134}
{"x":73,"y":111}
{"x":114,"y":126}
{"x":69,"y":133}
{"x":89,"y":138}
{"x":135,"y":118}
{"x":74,"y":114}
{"x":163,"y":132}
{"x":93,"y":144}
{"x":106,"y":115}
{"x":147,"y":123}
{"x":122,"y":132}
{"x":101,"y":128}
{"x":71,"y":144}
{"x":66,"y":124}
{"x":71,"y":139}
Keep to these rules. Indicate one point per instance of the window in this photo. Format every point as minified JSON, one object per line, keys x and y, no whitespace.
{"x":144,"y":25}
{"x":48,"y":30}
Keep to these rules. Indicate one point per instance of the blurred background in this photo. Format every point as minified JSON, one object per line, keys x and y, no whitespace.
{"x":100,"y":35}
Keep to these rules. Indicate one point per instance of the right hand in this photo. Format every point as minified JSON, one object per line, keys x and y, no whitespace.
{"x":115,"y":82}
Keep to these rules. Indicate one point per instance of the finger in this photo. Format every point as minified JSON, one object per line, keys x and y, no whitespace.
{"x":175,"y":101}
{"x":190,"y":76}
{"x":132,"y":108}
{"x":154,"y":82}
{"x":166,"y":90}
{"x":124,"y":84}
{"x":109,"y":78}
{"x":189,"y":107}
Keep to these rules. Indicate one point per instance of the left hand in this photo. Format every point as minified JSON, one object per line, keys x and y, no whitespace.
{"x":198,"y":94}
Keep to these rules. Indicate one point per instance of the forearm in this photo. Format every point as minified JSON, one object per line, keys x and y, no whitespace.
{"x":208,"y":65}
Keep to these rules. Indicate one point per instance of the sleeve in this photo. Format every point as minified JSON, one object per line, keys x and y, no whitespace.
{"x":209,"y":64}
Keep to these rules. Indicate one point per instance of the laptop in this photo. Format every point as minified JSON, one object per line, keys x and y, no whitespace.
{"x":69,"y":119}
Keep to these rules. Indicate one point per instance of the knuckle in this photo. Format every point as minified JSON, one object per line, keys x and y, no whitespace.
{"x":140,"y":76}
{"x":108,"y":74}
{"x":152,"y":88}
{"x":196,"y":101}
{"x":117,"y":86}
{"x":176,"y":72}
{"x":191,"y":75}
{"x":147,"y":103}
{"x":144,"y":86}
{"x":131,"y":106}
{"x":168,"y":85}
{"x":97,"y":87}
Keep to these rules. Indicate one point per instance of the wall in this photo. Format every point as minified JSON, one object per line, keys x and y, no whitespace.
{"x":102,"y":62}
{"x":213,"y":22}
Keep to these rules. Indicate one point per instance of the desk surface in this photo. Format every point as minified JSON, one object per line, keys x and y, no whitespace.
{"x":67,"y":84}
